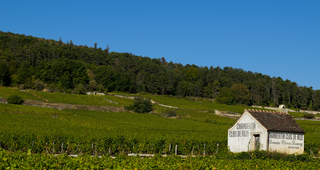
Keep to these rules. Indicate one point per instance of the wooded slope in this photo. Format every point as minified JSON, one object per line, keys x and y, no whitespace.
{"x":31,"y":62}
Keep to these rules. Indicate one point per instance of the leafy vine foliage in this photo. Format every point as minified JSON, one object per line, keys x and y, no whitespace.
{"x":31,"y":62}
{"x":254,"y":160}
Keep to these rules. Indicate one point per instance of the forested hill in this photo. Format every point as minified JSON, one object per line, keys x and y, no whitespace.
{"x":37,"y":63}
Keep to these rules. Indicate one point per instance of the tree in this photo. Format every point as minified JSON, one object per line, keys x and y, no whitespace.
{"x":60,"y":41}
{"x":163,"y":82}
{"x":207,"y":92}
{"x":31,"y":58}
{"x":105,"y":76}
{"x":215,"y":88}
{"x":107,"y":49}
{"x":305,"y":97}
{"x":182,"y":88}
{"x":121,"y":82}
{"x":197,"y":90}
{"x":163,"y":61}
{"x":65,"y":81}
{"x":78,"y":72}
{"x":80,"y":89}
{"x":4,"y":74}
{"x":71,"y":43}
{"x":23,"y":74}
{"x":241,"y":93}
{"x":54,"y":71}
{"x":191,"y":74}
{"x":316,"y":102}
{"x":225,"y":96}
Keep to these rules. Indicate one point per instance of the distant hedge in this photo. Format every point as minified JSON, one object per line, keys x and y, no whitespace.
{"x":309,"y":116}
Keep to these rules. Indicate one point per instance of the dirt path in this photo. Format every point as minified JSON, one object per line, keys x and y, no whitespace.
{"x":306,"y":119}
{"x":109,"y":100}
{"x":61,"y":106}
{"x":152,"y":101}
{"x":221,"y":113}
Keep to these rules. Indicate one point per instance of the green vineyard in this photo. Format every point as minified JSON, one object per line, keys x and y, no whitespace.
{"x":35,"y":134}
{"x":255,"y":160}
{"x":75,"y":131}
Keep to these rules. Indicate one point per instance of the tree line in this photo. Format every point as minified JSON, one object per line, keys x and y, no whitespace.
{"x":37,"y":63}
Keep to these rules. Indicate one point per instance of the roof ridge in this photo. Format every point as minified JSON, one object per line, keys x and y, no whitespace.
{"x":266,"y":111}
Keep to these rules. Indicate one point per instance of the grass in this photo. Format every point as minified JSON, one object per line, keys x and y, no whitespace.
{"x":90,"y":100}
{"x":5,"y":92}
{"x":197,"y":117}
{"x":194,"y":125}
{"x":198,"y":105}
{"x":29,"y":109}
{"x":312,"y":129}
{"x":95,"y":123}
{"x":189,"y":103}
{"x":183,"y":103}
{"x":74,"y":99}
{"x":297,"y":114}
{"x":200,"y":124}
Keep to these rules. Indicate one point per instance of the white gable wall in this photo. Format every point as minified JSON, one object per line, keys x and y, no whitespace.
{"x":241,"y":135}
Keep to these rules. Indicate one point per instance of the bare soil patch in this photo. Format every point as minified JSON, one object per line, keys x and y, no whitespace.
{"x":73,"y":106}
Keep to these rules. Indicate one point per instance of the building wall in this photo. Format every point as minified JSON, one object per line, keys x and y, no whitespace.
{"x":289,"y":143}
{"x":241,"y":135}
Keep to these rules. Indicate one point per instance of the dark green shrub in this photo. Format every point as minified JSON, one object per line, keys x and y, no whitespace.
{"x":38,"y":85}
{"x":80,"y":89}
{"x":303,"y":157}
{"x":208,"y":121}
{"x":15,"y":99}
{"x":140,"y":105}
{"x":309,"y":116}
{"x":243,"y":155}
{"x":171,"y":113}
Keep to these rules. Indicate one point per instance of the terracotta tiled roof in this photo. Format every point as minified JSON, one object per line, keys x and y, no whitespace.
{"x":276,"y":121}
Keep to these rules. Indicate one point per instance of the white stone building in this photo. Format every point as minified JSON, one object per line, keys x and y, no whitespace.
{"x":266,"y":130}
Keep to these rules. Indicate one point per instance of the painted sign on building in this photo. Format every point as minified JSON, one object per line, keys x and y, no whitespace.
{"x":242,"y":130}
{"x":289,"y":142}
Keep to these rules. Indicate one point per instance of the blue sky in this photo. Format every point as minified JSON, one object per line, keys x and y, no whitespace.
{"x":277,"y":38}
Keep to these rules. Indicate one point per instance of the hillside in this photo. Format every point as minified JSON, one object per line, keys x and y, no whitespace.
{"x":35,"y":63}
{"x":23,"y":125}
{"x":33,"y":137}
{"x":40,"y":127}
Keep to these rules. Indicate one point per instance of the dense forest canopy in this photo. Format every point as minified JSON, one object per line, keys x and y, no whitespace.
{"x":30,"y":62}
